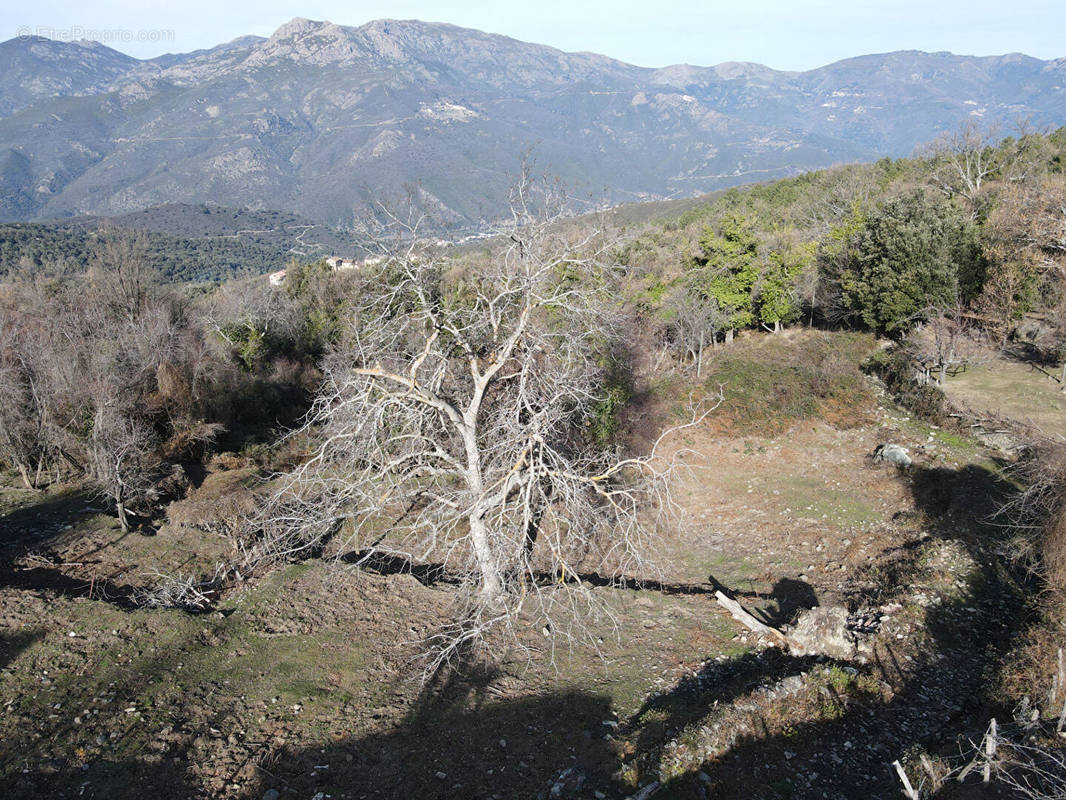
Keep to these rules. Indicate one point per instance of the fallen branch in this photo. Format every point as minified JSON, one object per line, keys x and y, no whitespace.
{"x":743,"y":616}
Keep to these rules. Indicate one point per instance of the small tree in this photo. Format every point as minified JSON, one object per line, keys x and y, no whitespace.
{"x":946,"y":342}
{"x":692,"y":324}
{"x":24,"y":413}
{"x":123,"y":460}
{"x":776,"y":292}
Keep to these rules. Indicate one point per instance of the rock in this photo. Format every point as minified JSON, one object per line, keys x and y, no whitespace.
{"x":568,"y":783}
{"x":824,"y":631}
{"x":271,"y":794}
{"x":647,"y":791}
{"x":893,"y":454}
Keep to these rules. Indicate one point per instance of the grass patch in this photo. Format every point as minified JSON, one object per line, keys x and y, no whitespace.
{"x":771,"y":382}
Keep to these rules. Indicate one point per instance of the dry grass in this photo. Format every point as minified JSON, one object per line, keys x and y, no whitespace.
{"x":771,"y":382}
{"x":1010,"y":389}
{"x":219,"y":504}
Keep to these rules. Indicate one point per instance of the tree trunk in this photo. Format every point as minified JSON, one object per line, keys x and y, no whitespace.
{"x":943,"y":374}
{"x":491,"y":579}
{"x":699,"y":358}
{"x":123,"y":516}
{"x":729,"y":336}
{"x":777,"y":326}
{"x":25,"y":475}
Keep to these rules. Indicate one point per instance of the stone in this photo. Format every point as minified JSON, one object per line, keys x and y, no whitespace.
{"x":567,"y":784}
{"x":893,"y":454}
{"x":271,"y":794}
{"x":823,"y":630}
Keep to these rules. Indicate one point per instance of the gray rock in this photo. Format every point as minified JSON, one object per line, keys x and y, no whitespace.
{"x":271,"y":794}
{"x":824,"y":631}
{"x":893,"y":454}
{"x":568,"y":783}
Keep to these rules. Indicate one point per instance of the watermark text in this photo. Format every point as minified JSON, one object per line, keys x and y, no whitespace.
{"x":108,"y":36}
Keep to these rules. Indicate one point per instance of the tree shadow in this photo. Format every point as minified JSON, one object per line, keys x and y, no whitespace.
{"x":36,"y":524}
{"x":11,"y":644}
{"x":391,"y":564}
{"x":103,"y":753}
{"x":460,"y":741}
{"x":786,"y":598}
{"x":844,"y":743}
{"x":53,"y":581}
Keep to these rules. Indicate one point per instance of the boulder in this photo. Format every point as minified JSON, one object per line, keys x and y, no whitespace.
{"x":893,"y":454}
{"x":823,"y":630}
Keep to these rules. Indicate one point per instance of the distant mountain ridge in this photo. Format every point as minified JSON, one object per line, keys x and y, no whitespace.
{"x":320,"y":119}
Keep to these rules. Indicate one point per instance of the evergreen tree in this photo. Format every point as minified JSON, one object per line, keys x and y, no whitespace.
{"x":912,"y":254}
{"x":727,"y":271}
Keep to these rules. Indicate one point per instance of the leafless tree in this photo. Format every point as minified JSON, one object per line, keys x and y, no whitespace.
{"x":455,"y":424}
{"x":24,"y":412}
{"x":694,"y":325}
{"x":947,"y":340}
{"x":122,"y":458}
{"x":964,"y":159}
{"x":119,"y":271}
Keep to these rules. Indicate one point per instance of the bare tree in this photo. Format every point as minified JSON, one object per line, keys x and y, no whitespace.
{"x":454,"y":426}
{"x":946,"y":341}
{"x":119,"y":272}
{"x":966,"y":158}
{"x":122,"y":458}
{"x":693,"y":325}
{"x":24,"y":412}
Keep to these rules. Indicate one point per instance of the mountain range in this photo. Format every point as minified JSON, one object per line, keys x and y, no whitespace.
{"x":320,"y":120}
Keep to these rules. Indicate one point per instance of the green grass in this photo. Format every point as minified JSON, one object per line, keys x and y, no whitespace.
{"x":1013,"y":390}
{"x":770,"y":382}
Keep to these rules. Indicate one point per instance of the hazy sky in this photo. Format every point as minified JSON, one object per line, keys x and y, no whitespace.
{"x":785,"y":34}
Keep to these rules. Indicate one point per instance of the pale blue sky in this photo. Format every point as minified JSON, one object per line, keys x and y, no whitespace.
{"x":796,"y":34}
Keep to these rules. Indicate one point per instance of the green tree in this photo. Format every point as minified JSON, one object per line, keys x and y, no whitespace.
{"x":727,"y":271}
{"x":776,"y":296}
{"x":913,"y":253}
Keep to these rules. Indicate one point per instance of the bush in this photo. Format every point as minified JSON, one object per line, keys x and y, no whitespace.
{"x":897,"y":369}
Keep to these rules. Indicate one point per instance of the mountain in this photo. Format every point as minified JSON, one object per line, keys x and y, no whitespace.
{"x":35,"y":68}
{"x":321,"y":119}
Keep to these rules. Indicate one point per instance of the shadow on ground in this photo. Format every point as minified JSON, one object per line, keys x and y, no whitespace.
{"x":847,"y":751}
{"x":463,"y":739}
{"x":457,"y":742}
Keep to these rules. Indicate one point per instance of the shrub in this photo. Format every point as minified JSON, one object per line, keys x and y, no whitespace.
{"x":897,"y":369}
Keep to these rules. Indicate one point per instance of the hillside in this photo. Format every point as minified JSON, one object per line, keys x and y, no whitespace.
{"x":186,"y":243}
{"x":696,"y":499}
{"x":319,"y":119}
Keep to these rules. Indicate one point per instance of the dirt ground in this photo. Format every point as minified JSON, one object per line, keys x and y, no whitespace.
{"x":306,"y":684}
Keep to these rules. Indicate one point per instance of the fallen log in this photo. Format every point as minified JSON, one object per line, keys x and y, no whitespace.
{"x":743,"y":616}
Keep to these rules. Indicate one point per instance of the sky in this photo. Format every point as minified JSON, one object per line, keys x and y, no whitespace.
{"x":783,"y":34}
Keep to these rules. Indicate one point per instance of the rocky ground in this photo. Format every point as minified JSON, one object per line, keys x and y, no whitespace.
{"x":305,"y":684}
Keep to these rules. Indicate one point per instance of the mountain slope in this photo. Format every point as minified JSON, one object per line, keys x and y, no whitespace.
{"x":35,"y":68}
{"x":320,"y":119}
